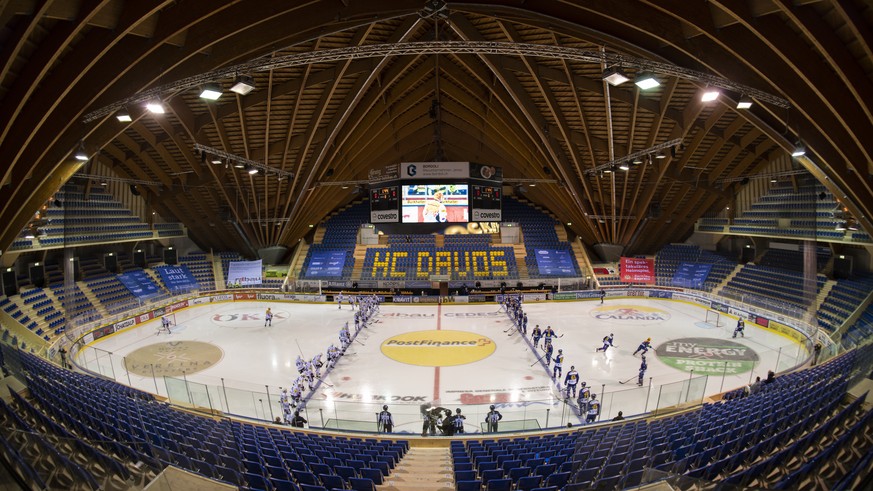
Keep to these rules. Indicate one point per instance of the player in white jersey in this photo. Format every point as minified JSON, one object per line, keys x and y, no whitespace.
{"x":339,"y":301}
{"x":268,"y":318}
{"x":593,"y":409}
{"x":584,"y":398}
{"x":607,"y":343}
{"x":301,"y":365}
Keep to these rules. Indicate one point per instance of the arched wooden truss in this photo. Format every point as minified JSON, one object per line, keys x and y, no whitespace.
{"x":330,"y":121}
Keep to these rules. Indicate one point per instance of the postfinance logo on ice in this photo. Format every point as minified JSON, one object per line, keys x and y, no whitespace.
{"x":438,"y":348}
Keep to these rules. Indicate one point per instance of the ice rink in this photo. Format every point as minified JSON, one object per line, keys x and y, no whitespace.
{"x":464,"y":356}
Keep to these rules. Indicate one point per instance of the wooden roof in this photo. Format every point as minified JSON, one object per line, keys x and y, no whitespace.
{"x":537,"y":117}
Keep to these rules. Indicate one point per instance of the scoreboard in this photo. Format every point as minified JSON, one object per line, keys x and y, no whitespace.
{"x":436,"y":192}
{"x":485,"y":202}
{"x":384,"y":204}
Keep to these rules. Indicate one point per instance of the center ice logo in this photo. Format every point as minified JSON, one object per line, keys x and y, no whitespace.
{"x":707,"y":356}
{"x":438,"y":348}
{"x":630,"y":314}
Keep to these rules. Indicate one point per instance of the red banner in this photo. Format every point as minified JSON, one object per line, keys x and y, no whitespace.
{"x":638,"y":270}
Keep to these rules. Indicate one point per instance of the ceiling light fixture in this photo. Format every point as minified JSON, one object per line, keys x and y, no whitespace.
{"x":251,"y":170}
{"x":155,"y":107}
{"x":216,"y":161}
{"x":239,"y":165}
{"x":660,"y":155}
{"x":799,"y":150}
{"x":614,"y":76}
{"x":745,"y":102}
{"x":211,"y":92}
{"x":709,"y":95}
{"x":243,"y":85}
{"x":646,"y":81}
{"x":80,"y":152}
{"x":637,"y":160}
{"x":624,"y":166}
{"x":533,"y":185}
{"x":123,"y":116}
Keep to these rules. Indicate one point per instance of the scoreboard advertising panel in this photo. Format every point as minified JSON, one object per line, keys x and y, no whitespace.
{"x":485,"y":202}
{"x":384,"y":204}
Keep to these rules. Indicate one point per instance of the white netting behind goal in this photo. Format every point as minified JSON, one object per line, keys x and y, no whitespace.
{"x":714,"y":318}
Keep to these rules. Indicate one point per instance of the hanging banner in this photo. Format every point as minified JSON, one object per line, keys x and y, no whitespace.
{"x":244,"y":273}
{"x":638,"y":270}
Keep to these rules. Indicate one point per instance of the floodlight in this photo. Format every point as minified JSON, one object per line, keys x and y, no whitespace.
{"x":660,"y":155}
{"x":123,"y":116}
{"x":614,"y":76}
{"x":709,"y":95}
{"x":155,"y":107}
{"x":243,"y":85}
{"x":251,"y":170}
{"x":624,"y":166}
{"x":744,"y":103}
{"x":80,"y":153}
{"x":799,"y":150}
{"x":646,"y":81}
{"x":211,"y":92}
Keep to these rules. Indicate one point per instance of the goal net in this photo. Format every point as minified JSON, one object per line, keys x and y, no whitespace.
{"x":714,"y":318}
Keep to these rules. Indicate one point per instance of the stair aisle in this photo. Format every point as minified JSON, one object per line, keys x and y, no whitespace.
{"x":422,"y":469}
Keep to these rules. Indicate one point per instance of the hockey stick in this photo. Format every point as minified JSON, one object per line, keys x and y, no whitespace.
{"x":362,"y":344}
{"x":510,"y":329}
{"x":626,"y":381}
{"x":538,"y":360}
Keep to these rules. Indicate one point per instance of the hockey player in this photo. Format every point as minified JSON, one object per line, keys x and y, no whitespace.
{"x":332,"y":355}
{"x":447,"y":423}
{"x":268,"y":318}
{"x":548,"y":334}
{"x":301,"y":365}
{"x":549,"y":350}
{"x":570,"y":381}
{"x":309,"y":375}
{"x":316,"y":365}
{"x":339,"y":301}
{"x":492,"y":418}
{"x":385,"y":423}
{"x":165,"y":324}
{"x":741,"y":327}
{"x":643,"y":367}
{"x":458,"y":422}
{"x":524,"y":324}
{"x":593,"y":409}
{"x":584,"y":398}
{"x":535,"y":335}
{"x":644,"y":347}
{"x":559,"y":364}
{"x":602,"y":295}
{"x":607,"y":342}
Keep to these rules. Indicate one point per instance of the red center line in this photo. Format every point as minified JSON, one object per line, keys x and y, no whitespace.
{"x":436,"y":369}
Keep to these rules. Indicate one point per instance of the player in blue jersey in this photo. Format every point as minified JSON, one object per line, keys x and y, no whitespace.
{"x":740,"y":329}
{"x":570,"y":381}
{"x":535,"y":335}
{"x":644,"y":347}
{"x":643,"y":367}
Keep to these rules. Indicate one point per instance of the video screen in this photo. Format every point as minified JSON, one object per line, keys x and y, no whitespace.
{"x":435,"y":203}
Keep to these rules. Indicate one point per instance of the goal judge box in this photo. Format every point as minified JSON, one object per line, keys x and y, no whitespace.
{"x":166,"y":323}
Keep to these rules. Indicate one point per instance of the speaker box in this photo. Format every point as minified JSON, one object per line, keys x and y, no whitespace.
{"x":170,"y":257}
{"x":10,"y":283}
{"x":843,"y":267}
{"x":139,"y":259}
{"x":655,"y":209}
{"x":37,"y":275}
{"x":133,"y":190}
{"x":110,"y":262}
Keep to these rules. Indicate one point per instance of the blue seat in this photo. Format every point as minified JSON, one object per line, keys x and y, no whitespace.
{"x":382,"y":466}
{"x":558,"y":479}
{"x":345,"y":472}
{"x":306,"y":478}
{"x":372,"y":474}
{"x":499,"y":485}
{"x":544,"y":470}
{"x":362,"y":484}
{"x":528,"y":483}
{"x":277,"y":472}
{"x":311,"y":487}
{"x":318,"y":468}
{"x":332,"y":481}
{"x":284,"y":485}
{"x":471,"y":485}
{"x":257,"y":481}
{"x":465,"y":475}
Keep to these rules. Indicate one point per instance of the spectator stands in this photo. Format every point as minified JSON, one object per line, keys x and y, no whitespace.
{"x":538,"y":229}
{"x":341,"y":232}
{"x":671,"y":256}
{"x":410,"y":261}
{"x":842,"y":300}
{"x":82,"y":446}
{"x":200,"y":266}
